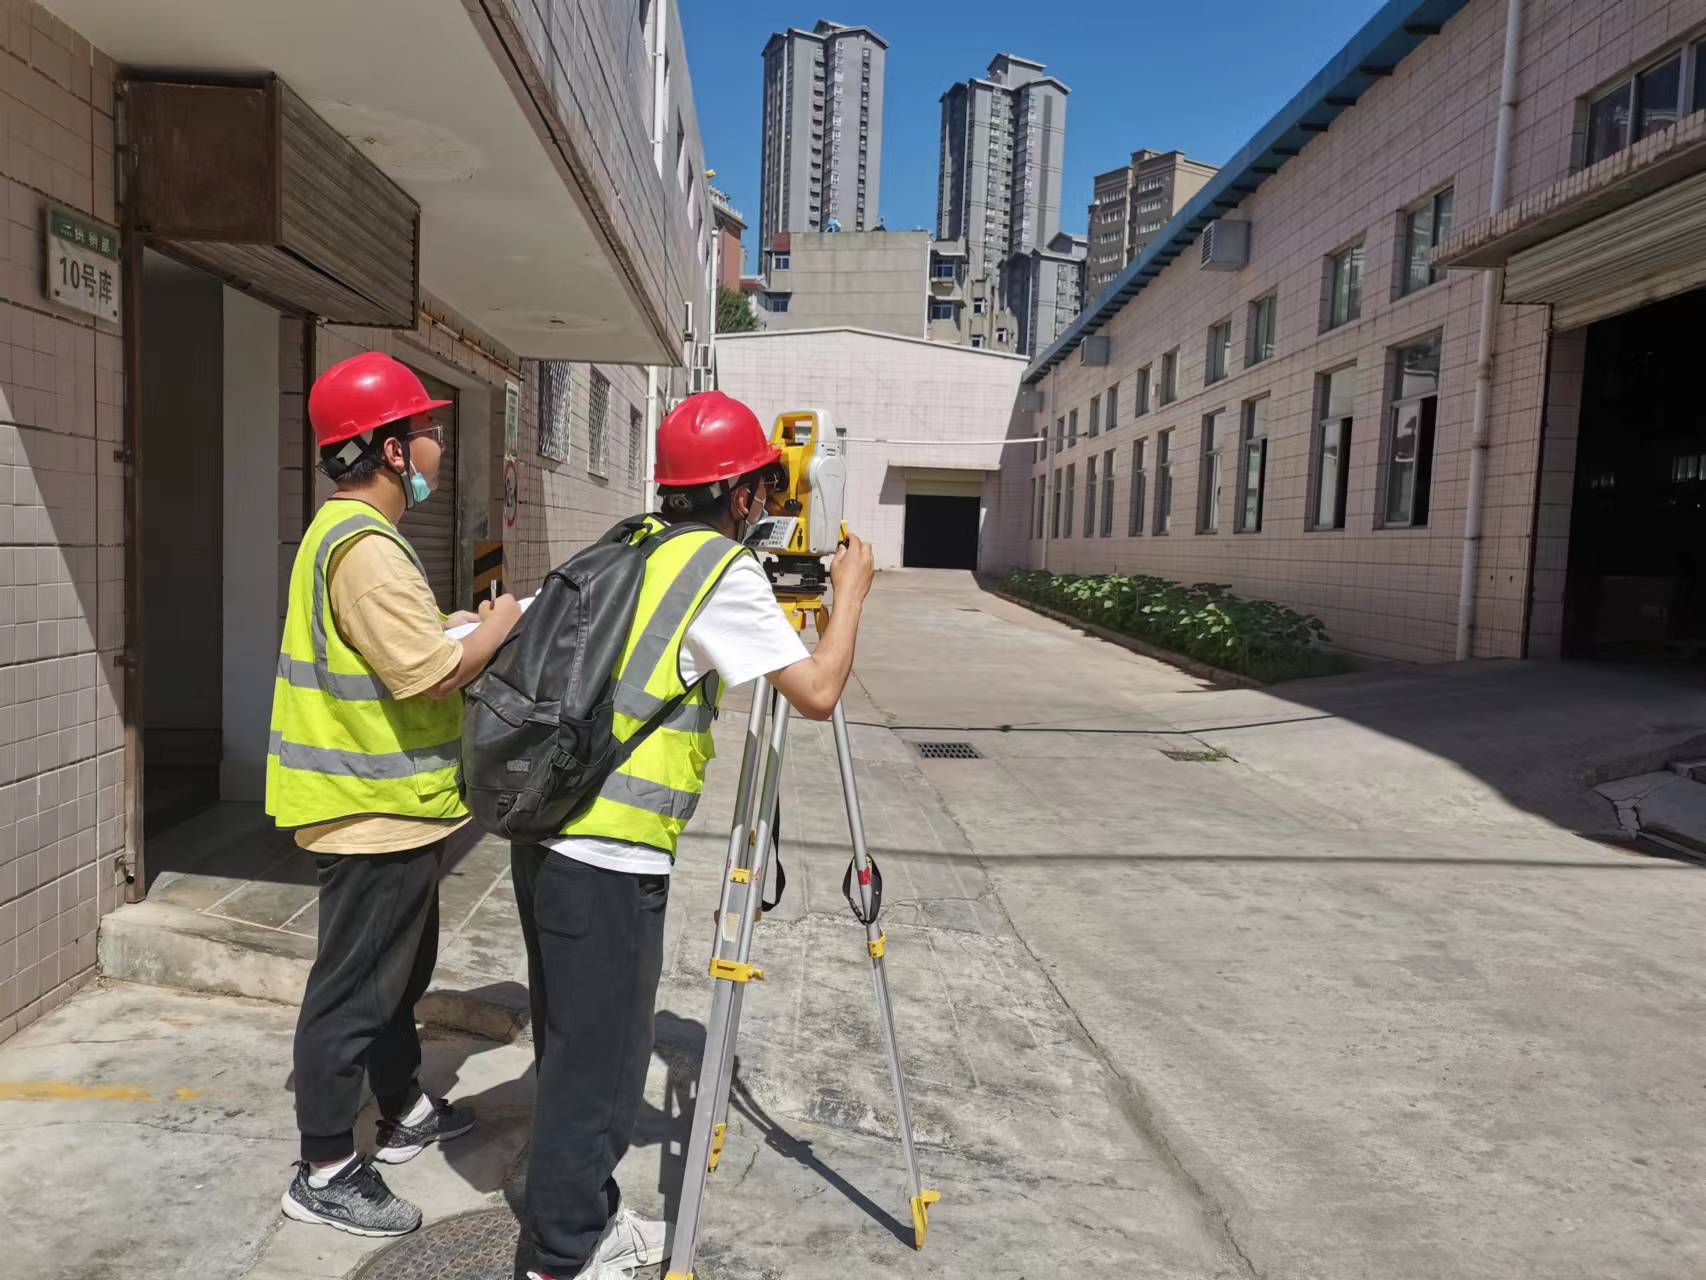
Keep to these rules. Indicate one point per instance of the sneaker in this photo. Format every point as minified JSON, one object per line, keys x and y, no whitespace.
{"x":632,"y":1241}
{"x":398,"y":1142}
{"x":356,"y":1200}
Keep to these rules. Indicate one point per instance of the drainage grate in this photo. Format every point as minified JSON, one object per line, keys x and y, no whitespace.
{"x":473,"y":1246}
{"x":948,"y":751}
{"x":1212,"y":756}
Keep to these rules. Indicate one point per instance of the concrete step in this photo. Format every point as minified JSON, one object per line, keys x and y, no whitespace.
{"x":1693,"y":769}
{"x":170,"y":946}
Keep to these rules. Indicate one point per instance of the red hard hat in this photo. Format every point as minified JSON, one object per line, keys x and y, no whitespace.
{"x":370,"y":390}
{"x":709,"y":437}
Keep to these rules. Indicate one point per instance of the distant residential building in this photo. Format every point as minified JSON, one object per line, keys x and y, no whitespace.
{"x":1045,"y":290}
{"x":1003,"y":136}
{"x":1132,"y":203}
{"x":729,"y":226}
{"x":823,"y":130}
{"x":966,"y":310}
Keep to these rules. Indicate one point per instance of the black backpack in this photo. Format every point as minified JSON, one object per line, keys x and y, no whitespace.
{"x":537,"y":741}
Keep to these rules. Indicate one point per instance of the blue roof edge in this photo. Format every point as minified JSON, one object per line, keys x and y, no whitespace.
{"x":1385,"y":40}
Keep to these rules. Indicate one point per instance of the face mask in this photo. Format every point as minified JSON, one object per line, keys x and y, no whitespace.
{"x":416,"y":490}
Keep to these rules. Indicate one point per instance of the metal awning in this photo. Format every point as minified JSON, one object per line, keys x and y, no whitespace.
{"x":1624,"y":232}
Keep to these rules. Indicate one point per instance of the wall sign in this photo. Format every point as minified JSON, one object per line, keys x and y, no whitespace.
{"x":82,"y":265}
{"x":511,"y":481}
{"x":512,"y":419}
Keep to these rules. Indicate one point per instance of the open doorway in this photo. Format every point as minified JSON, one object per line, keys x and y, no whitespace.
{"x":209,"y":548}
{"x":941,"y":531}
{"x":1636,"y":584}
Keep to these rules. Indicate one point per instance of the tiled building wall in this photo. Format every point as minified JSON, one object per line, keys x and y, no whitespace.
{"x":878,"y":385}
{"x":1383,"y":590}
{"x":61,"y":531}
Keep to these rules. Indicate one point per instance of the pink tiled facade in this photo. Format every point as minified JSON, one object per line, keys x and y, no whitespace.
{"x":1386,"y":591}
{"x":61,"y":530}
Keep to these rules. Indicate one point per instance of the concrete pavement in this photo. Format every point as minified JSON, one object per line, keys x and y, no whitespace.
{"x":1350,"y":998}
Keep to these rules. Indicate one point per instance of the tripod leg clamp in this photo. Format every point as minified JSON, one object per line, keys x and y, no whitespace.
{"x":718,"y":1133}
{"x":921,"y":1215}
{"x":735,"y":971}
{"x":679,"y":1275}
{"x":879,"y":946}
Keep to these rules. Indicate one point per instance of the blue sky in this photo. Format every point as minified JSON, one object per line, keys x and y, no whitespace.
{"x":1201,"y":77}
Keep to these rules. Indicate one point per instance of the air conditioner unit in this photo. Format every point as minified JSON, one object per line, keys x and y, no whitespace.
{"x":702,"y":355}
{"x":699,"y":380}
{"x":1093,"y":350}
{"x":1225,"y":245}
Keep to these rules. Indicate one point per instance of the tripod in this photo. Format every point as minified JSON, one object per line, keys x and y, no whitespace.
{"x":751,"y":839}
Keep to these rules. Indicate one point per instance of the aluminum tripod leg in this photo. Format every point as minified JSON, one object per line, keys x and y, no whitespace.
{"x":876,"y":944}
{"x":743,"y":890}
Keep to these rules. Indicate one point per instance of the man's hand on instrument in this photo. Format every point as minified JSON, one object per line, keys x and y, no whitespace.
{"x":851,"y":571}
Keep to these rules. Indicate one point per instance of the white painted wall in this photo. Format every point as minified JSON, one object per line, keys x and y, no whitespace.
{"x":957,"y":400}
{"x":251,"y":439}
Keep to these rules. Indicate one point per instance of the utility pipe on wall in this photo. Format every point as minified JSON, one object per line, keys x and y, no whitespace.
{"x":1490,"y":289}
{"x":660,"y":113}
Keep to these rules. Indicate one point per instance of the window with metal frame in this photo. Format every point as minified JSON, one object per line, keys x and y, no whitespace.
{"x":636,"y":447}
{"x":1071,"y":495}
{"x":1642,"y":103}
{"x":1139,"y":479}
{"x":1253,"y":474}
{"x":1054,"y":511}
{"x":1141,"y":395}
{"x":1164,"y":482}
{"x":941,"y":311}
{"x":1410,"y":434}
{"x":1108,"y":494}
{"x":1059,"y":434}
{"x":554,"y":399}
{"x":1090,"y":496}
{"x":1209,"y":473}
{"x":1169,"y":377}
{"x":1219,"y":354}
{"x":1071,"y":428}
{"x":1113,"y":406}
{"x":1344,"y":287}
{"x":597,"y":412}
{"x":1095,"y":416}
{"x":1259,"y":342}
{"x":1330,"y":472}
{"x":1424,"y":228}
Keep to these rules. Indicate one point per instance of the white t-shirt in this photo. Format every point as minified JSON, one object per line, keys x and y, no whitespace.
{"x":741,"y":634}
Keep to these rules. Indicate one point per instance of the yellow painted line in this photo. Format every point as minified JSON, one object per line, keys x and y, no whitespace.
{"x":71,"y":1091}
{"x":188,"y":1095}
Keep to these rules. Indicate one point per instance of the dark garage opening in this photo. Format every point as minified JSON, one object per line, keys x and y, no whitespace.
{"x":1636,"y":586}
{"x":941,"y":532}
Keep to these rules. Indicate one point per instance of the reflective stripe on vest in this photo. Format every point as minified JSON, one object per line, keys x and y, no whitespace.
{"x":340,"y":744}
{"x":651,"y":797}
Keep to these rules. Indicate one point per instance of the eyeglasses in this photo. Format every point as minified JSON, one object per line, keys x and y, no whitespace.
{"x":436,"y":431}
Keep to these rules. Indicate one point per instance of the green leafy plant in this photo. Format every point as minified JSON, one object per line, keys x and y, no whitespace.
{"x":1205,"y":620}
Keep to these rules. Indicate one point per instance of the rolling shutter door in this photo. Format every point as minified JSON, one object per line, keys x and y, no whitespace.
{"x":431,"y":527}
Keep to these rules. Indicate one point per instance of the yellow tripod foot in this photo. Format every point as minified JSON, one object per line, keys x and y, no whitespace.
{"x":718,"y":1131}
{"x":921,"y":1215}
{"x":678,"y":1275}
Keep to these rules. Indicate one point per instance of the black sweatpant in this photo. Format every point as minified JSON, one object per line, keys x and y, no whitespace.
{"x":377,"y":947}
{"x":594,"y":951}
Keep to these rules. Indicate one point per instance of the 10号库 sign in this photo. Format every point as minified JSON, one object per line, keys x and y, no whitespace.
{"x":82,"y":265}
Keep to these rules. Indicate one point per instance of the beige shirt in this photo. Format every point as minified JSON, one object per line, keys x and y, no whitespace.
{"x":383,"y":607}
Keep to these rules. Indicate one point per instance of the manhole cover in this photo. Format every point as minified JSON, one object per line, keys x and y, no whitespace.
{"x":474,"y":1246}
{"x":948,"y":751}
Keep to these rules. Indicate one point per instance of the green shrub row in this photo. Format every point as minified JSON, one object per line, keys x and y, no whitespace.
{"x":1256,"y":638}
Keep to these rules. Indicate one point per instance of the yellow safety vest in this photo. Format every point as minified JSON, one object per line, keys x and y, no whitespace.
{"x":649,"y":799}
{"x":341,"y":744}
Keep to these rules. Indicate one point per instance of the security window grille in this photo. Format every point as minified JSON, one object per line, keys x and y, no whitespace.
{"x":1108,"y":494}
{"x":1260,"y":343}
{"x":1142,"y":393}
{"x":1208,"y":485}
{"x":1331,"y":478}
{"x":554,"y":410}
{"x":1164,"y":482}
{"x":1410,"y":434}
{"x":1095,"y":416}
{"x":1344,"y":287}
{"x":597,"y":411}
{"x":1139,"y":478}
{"x":1169,"y":377}
{"x":1424,"y":229}
{"x":636,"y":447}
{"x":1090,"y":497}
{"x":1253,"y":475}
{"x":1219,"y":353}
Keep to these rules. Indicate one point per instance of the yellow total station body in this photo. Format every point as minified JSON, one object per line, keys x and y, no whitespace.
{"x":810,"y":524}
